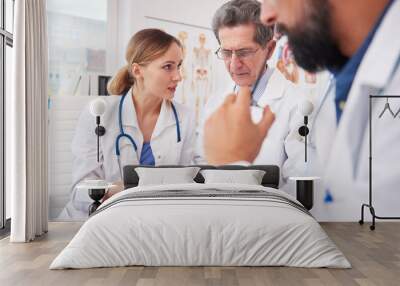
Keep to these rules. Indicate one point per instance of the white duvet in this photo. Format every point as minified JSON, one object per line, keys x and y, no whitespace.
{"x":185,"y":230}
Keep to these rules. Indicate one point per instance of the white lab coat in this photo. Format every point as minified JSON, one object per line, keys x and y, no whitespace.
{"x":340,"y":154}
{"x":166,"y":149}
{"x":280,"y":95}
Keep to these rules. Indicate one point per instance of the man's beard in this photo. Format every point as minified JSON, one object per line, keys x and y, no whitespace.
{"x":312,"y":43}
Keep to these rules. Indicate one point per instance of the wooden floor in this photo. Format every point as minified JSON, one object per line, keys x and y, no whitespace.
{"x":374,"y":255}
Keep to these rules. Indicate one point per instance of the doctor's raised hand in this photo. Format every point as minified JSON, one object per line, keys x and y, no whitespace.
{"x":230,"y":135}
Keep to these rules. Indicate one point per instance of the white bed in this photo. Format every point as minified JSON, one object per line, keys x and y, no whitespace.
{"x":203,"y":225}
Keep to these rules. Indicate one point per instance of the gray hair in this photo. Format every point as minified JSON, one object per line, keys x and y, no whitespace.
{"x":242,"y":12}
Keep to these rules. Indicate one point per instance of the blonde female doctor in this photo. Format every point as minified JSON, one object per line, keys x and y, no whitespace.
{"x":143,"y":124}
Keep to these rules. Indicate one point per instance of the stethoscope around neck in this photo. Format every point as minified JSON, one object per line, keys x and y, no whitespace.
{"x":122,"y":133}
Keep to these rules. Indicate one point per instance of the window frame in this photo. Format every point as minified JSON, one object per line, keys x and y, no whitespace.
{"x":6,"y":39}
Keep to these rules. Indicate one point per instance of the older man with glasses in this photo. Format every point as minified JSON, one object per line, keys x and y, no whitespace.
{"x":245,"y":47}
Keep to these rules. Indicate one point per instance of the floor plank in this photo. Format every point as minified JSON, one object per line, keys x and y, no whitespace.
{"x":374,"y":255}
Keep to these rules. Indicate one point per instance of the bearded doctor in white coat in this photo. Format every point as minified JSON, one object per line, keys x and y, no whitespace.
{"x":245,"y":47}
{"x":364,"y":61}
{"x":162,"y":130}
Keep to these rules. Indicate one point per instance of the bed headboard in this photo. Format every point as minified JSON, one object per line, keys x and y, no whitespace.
{"x":270,"y":179}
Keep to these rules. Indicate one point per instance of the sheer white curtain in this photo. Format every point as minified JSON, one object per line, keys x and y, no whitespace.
{"x":28,"y":123}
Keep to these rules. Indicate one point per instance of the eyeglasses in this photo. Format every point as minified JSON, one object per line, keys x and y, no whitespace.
{"x":241,"y":54}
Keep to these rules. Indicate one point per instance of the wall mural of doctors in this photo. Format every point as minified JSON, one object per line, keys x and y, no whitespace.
{"x":143,"y":123}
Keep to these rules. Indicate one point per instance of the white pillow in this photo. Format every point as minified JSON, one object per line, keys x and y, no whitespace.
{"x":248,"y":177}
{"x":164,"y":176}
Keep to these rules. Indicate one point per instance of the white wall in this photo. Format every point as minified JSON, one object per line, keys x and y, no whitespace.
{"x":91,"y":9}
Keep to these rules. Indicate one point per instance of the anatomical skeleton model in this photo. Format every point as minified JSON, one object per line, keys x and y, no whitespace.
{"x":288,"y":67}
{"x":182,"y":36}
{"x":286,"y":64}
{"x":201,"y":74}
